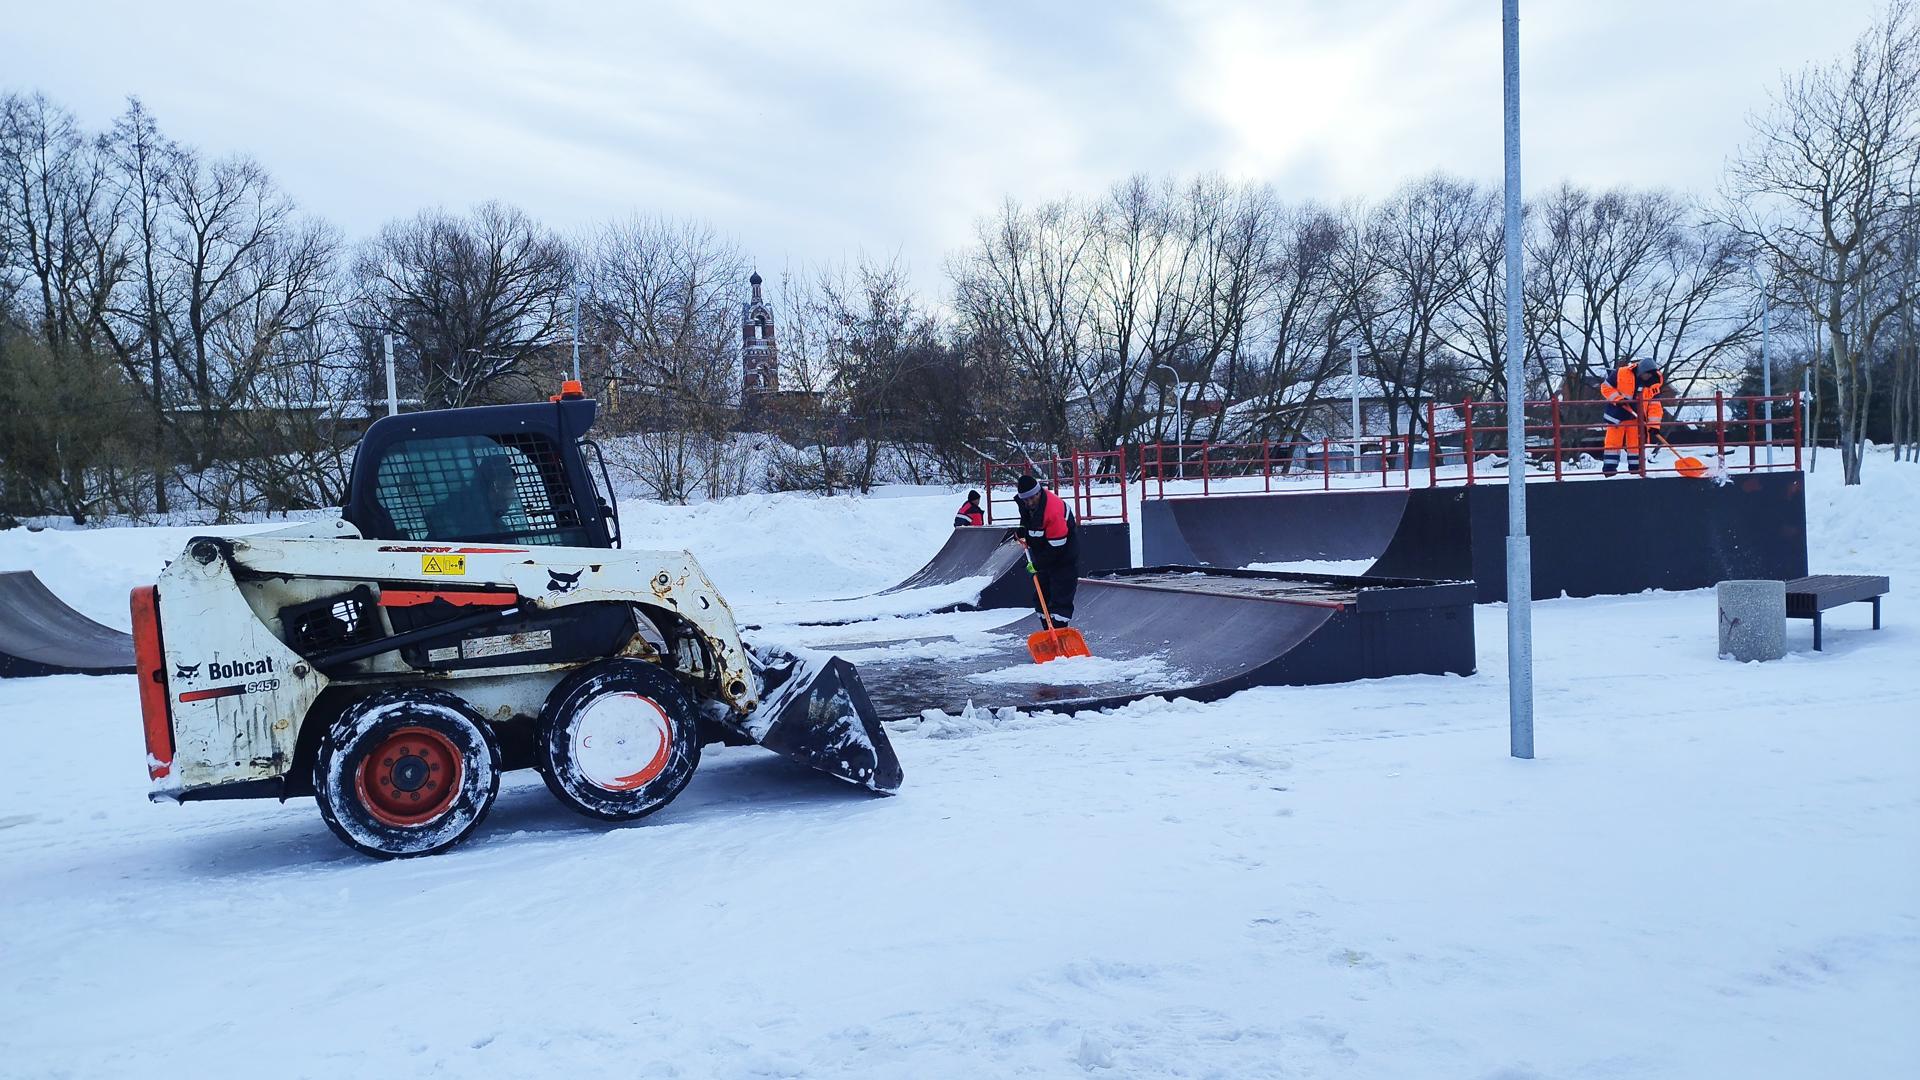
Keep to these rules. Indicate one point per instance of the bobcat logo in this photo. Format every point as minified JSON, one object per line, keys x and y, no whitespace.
{"x":558,"y":582}
{"x":186,"y":671}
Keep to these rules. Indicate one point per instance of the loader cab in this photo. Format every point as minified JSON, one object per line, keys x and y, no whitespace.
{"x":495,"y":474}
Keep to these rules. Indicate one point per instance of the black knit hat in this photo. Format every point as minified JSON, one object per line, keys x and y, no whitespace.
{"x":973,"y":496}
{"x":1026,"y":485}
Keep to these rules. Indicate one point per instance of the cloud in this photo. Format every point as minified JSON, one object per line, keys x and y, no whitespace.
{"x":810,"y":132}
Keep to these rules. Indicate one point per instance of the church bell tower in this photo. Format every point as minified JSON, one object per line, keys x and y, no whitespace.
{"x":759,"y":356}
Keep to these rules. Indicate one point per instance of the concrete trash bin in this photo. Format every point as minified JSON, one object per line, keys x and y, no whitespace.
{"x":1753,"y":619}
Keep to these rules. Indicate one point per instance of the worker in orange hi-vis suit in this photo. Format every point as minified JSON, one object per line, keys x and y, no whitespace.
{"x":1633,"y":402}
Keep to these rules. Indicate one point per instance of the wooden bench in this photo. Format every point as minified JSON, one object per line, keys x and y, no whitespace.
{"x":1810,"y":597}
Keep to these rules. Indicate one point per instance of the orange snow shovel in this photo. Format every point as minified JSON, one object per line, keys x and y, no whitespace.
{"x":1053,"y":642}
{"x":1691,"y":467}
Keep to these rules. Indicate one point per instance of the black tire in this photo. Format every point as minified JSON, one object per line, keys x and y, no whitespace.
{"x":382,"y":781}
{"x":654,"y":732}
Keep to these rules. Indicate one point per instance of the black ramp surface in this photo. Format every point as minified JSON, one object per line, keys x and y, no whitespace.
{"x":1237,"y":530}
{"x":970,"y":551}
{"x":1184,"y":632}
{"x":986,"y":552}
{"x":41,"y":635}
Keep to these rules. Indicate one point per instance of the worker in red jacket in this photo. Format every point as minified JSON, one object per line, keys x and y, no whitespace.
{"x":1633,"y":409}
{"x":970,"y":512}
{"x":1052,"y":536}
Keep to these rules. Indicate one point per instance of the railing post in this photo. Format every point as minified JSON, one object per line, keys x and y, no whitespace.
{"x":1556,"y":436}
{"x":1720,"y":427}
{"x":1433,"y":444}
{"x":1799,"y":435}
{"x":1326,"y":463}
{"x":1206,"y":468}
{"x":1466,"y":436}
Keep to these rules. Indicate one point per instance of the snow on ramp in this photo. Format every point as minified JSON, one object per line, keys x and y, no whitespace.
{"x":976,"y":567}
{"x":1180,"y":632}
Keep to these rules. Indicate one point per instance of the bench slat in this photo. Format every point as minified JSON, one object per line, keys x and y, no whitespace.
{"x":1819,"y":592}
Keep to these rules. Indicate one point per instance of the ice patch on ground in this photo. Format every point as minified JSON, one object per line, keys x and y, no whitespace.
{"x":933,"y":649}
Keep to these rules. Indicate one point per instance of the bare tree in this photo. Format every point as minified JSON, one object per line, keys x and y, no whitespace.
{"x":1823,"y":188}
{"x":245,"y":273}
{"x":142,"y":160}
{"x":662,"y":299}
{"x":61,"y":262}
{"x":474,"y":298}
{"x":1020,"y":296}
{"x":1406,"y":268}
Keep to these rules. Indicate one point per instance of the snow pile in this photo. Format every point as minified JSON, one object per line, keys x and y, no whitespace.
{"x":1085,"y":671}
{"x":1709,"y":871}
{"x":1336,"y":567}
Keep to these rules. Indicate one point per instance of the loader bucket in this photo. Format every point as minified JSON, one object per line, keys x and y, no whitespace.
{"x":817,"y":713}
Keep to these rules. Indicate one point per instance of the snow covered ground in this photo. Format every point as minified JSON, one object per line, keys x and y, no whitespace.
{"x":1712,"y":869}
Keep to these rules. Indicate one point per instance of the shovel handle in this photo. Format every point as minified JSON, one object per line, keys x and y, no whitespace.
{"x":1039,"y":593}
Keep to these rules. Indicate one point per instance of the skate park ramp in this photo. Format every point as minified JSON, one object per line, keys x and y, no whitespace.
{"x":41,"y":635}
{"x":1238,"y":530}
{"x":1589,"y":537}
{"x":972,"y":551}
{"x":1184,"y":631}
{"x":977,"y":566}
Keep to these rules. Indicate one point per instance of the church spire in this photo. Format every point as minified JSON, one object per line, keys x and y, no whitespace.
{"x":759,"y":355}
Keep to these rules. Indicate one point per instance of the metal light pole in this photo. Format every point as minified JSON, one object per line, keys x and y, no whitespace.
{"x":1766,"y":361}
{"x":1519,"y":553}
{"x":1179,"y":417}
{"x":393,"y":397}
{"x":576,"y":331}
{"x":1353,"y":388}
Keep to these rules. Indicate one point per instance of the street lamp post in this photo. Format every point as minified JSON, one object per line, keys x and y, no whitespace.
{"x":1179,"y":417}
{"x":1766,"y":361}
{"x":393,"y":395}
{"x":1519,"y":549}
{"x":1353,"y":392}
{"x":576,"y":331}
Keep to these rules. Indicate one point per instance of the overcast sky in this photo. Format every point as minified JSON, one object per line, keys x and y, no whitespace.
{"x":813,"y":131}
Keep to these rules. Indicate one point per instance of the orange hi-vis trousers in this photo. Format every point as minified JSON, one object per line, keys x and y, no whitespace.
{"x":1623,"y":445}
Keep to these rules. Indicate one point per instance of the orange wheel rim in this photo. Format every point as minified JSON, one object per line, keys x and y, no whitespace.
{"x":410,"y":778}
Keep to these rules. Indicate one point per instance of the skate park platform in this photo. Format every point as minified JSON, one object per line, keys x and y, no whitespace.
{"x":41,"y":635}
{"x":1179,"y":631}
{"x":1590,"y":537}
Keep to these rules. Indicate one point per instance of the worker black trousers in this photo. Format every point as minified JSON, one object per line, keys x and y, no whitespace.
{"x":1059,"y":583}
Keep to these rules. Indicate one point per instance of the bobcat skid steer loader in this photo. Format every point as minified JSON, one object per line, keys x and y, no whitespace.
{"x":468,"y":612}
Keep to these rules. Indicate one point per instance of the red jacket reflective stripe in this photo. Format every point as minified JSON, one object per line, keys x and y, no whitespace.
{"x":972,"y":513}
{"x":1053,"y":520}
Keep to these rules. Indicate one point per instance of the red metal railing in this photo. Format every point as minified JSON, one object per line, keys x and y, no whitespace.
{"x":1094,"y":483}
{"x":1566,"y":432}
{"x":1232,"y":468}
{"x":1564,"y":439}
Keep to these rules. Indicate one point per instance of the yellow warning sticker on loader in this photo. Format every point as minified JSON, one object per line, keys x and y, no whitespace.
{"x":444,"y":565}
